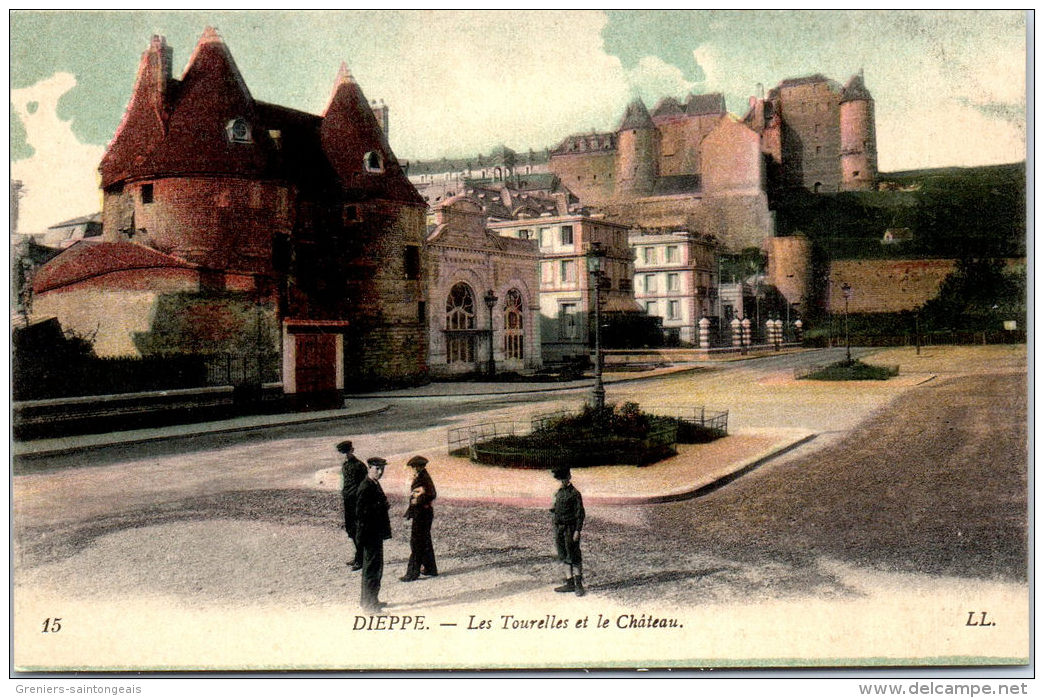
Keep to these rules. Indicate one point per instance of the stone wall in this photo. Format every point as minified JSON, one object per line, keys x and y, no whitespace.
{"x":151,"y":312}
{"x":886,"y":285}
{"x":681,"y":143}
{"x":734,"y":164}
{"x":737,"y":220}
{"x":386,"y":341}
{"x":589,"y":175}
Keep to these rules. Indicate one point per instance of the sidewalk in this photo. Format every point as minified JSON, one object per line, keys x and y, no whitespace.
{"x":695,"y":468}
{"x":86,"y":442}
{"x":362,"y":405}
{"x":451,"y":388}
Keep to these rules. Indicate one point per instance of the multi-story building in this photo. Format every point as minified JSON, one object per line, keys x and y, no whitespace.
{"x":675,"y":280}
{"x":231,"y":224}
{"x":566,"y":290}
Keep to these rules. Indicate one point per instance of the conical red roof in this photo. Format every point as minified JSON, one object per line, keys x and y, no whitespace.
{"x":184,"y":128}
{"x":357,"y":147}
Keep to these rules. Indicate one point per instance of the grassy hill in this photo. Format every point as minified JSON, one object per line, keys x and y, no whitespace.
{"x":951,"y":212}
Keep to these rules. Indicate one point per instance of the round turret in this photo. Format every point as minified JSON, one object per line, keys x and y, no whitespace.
{"x":858,"y":137}
{"x":637,"y":148}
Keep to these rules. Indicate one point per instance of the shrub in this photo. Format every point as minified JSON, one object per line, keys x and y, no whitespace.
{"x":853,"y":371}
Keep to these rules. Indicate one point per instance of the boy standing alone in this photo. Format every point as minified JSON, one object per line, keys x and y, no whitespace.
{"x":567,"y":515}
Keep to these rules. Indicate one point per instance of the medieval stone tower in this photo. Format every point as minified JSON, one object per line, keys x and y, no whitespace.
{"x":858,"y":137}
{"x":309,"y":219}
{"x":637,"y":152}
{"x":817,"y":135}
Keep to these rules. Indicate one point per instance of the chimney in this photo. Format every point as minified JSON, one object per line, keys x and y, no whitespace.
{"x":161,"y":59}
{"x":381,"y":112}
{"x":561,"y":203}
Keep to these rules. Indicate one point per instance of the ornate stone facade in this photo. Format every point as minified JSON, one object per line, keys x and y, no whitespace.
{"x":466,"y":265}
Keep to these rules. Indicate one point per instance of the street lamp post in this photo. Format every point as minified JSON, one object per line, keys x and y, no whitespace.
{"x":846,"y":290}
{"x":595,"y":267}
{"x":491,"y":300}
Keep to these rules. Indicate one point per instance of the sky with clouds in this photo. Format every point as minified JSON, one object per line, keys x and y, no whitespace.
{"x":949,"y":87}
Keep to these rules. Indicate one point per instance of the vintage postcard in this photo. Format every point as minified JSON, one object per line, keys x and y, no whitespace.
{"x":519,"y":340}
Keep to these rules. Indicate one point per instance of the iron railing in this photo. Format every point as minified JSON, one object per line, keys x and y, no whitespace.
{"x":717,"y":420}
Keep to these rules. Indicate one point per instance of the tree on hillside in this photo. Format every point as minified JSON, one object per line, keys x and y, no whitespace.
{"x":978,"y":295}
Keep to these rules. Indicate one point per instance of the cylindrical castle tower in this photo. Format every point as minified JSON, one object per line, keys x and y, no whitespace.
{"x":858,"y":137}
{"x":636,"y":152}
{"x":790,"y":269}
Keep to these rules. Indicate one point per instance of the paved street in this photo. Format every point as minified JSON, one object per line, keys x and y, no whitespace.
{"x":918,"y":483}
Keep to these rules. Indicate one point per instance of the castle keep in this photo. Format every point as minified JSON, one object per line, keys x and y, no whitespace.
{"x":228,"y":219}
{"x":691,"y":165}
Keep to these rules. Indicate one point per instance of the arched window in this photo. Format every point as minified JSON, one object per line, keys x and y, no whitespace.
{"x":373,"y":162}
{"x":513,"y":325}
{"x":460,"y":317}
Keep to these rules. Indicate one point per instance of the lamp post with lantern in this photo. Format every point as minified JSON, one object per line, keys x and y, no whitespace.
{"x":846,"y":291}
{"x":596,"y":269}
{"x":491,"y":300}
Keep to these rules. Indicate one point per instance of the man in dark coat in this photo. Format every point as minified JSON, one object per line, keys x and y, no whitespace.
{"x":372,"y":528}
{"x":567,"y":515}
{"x":353,"y":472}
{"x":421,"y":514}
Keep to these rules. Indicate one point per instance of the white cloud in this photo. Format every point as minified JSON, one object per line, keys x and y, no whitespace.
{"x":912,"y":140}
{"x":472,"y":82}
{"x":654,"y":79}
{"x":61,"y":177}
{"x":1001,"y":80}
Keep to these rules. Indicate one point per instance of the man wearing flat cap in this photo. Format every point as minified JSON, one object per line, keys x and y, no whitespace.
{"x":420,"y":514}
{"x":373,"y":528}
{"x":567,"y":515}
{"x":353,"y":472}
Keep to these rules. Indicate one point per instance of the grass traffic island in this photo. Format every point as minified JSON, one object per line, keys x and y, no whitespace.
{"x":592,"y":437}
{"x":851,"y":370}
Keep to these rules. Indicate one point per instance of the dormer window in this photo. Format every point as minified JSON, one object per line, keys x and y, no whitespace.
{"x":238,"y":131}
{"x":373,"y":162}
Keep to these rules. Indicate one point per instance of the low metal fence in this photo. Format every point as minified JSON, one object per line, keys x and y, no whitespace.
{"x":501,"y":442}
{"x":460,"y":439}
{"x":540,"y":421}
{"x":498,"y":450}
{"x":241,"y":369}
{"x":717,"y":420}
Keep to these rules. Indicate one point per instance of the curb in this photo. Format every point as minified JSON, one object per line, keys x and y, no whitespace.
{"x":152,"y":438}
{"x":713,"y":482}
{"x":586,"y":385}
{"x":698,"y":488}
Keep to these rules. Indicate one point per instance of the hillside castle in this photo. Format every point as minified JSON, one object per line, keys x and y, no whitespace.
{"x":692,"y":165}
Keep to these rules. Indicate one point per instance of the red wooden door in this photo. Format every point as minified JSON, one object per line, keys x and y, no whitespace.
{"x":316,"y":364}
